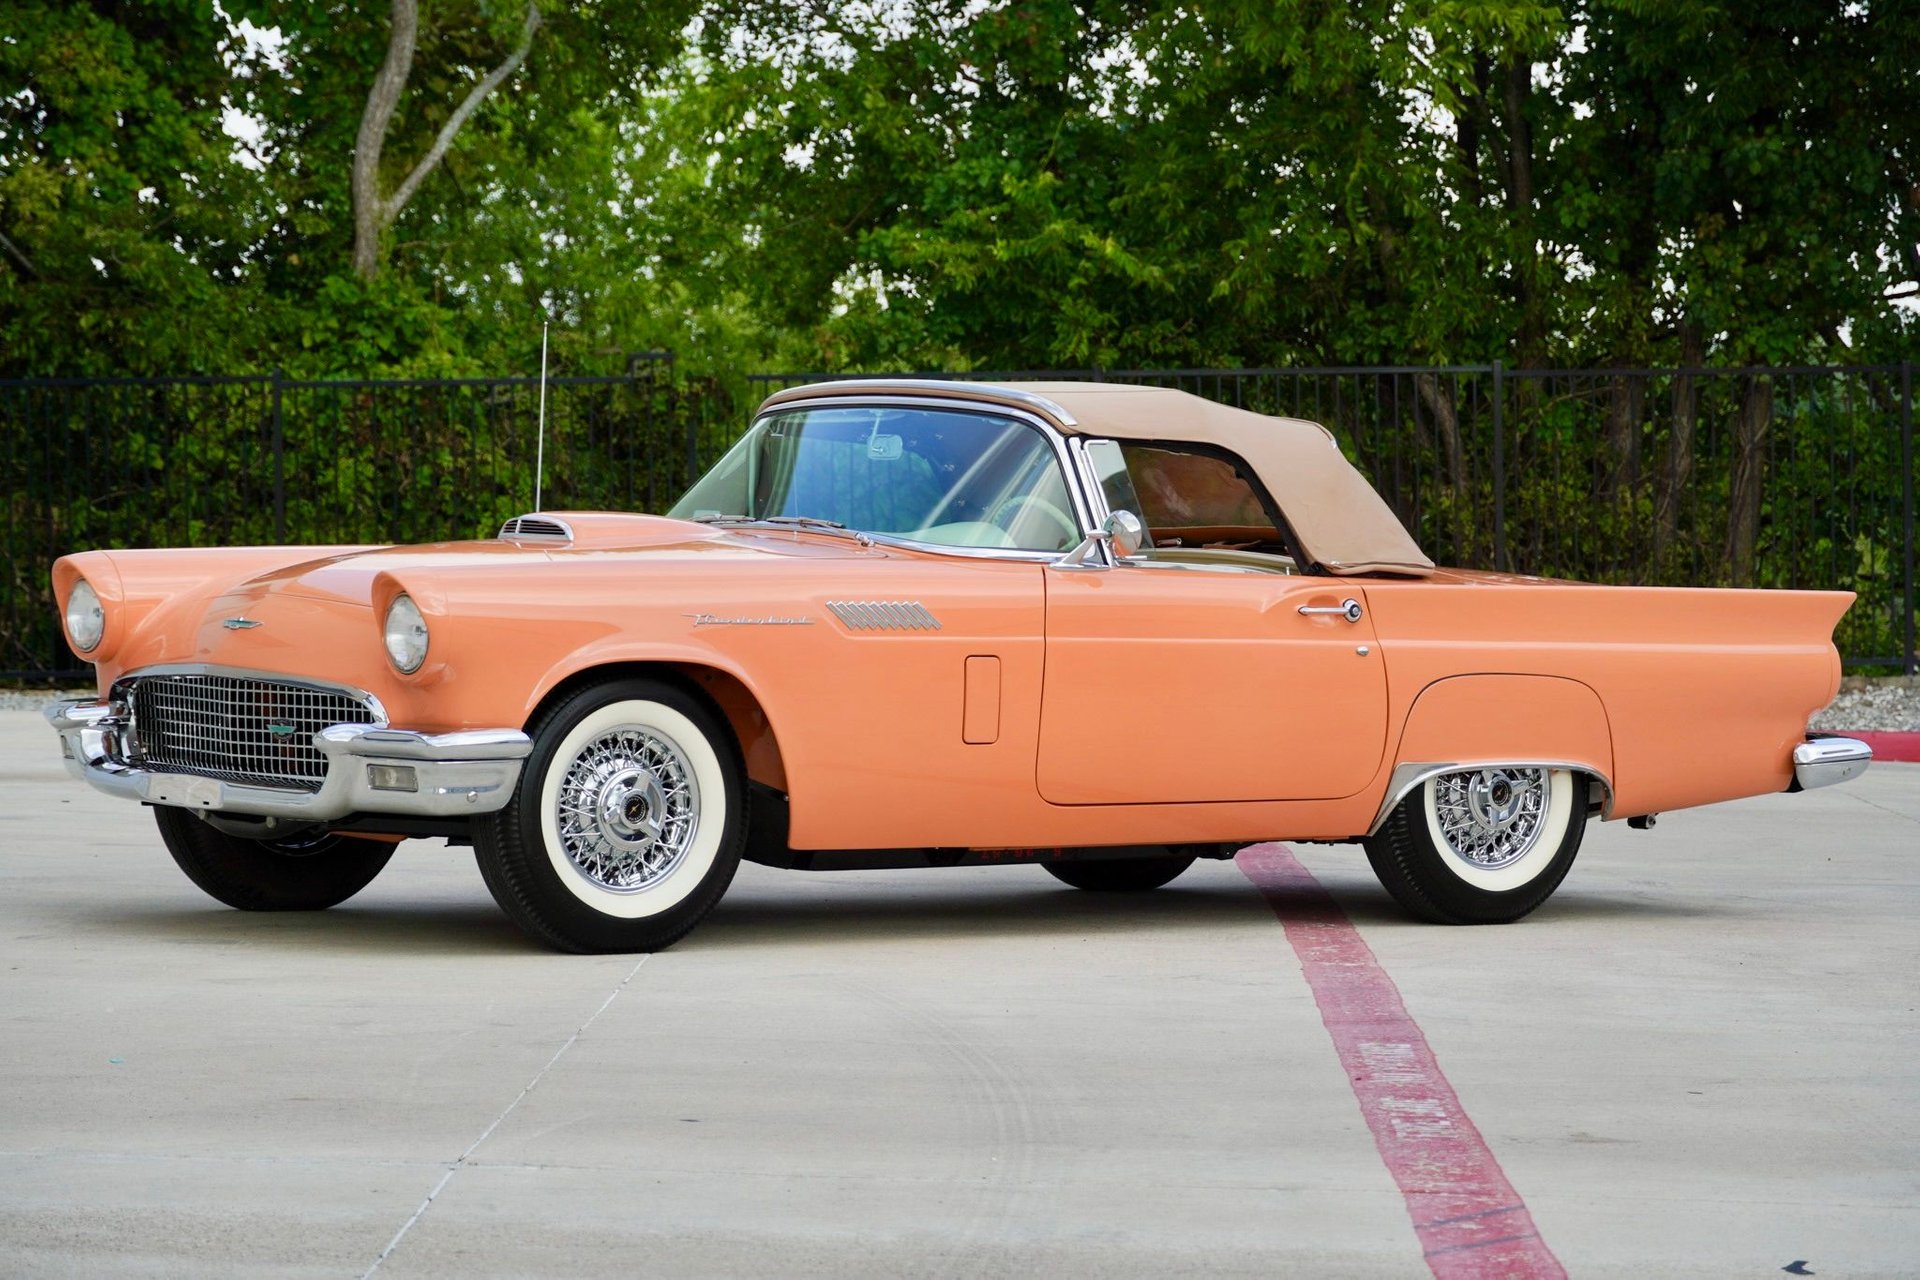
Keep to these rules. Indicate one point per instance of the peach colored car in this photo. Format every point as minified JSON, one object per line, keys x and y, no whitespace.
{"x":1108,"y":629}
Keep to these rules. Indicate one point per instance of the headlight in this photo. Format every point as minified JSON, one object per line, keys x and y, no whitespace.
{"x":86,"y":620}
{"x":406,"y":634}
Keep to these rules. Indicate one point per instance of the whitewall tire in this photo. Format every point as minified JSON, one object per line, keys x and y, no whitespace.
{"x":1481,"y":846}
{"x":628,"y":822}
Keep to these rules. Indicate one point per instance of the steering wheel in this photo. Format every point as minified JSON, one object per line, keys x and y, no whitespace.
{"x":1014,"y":508}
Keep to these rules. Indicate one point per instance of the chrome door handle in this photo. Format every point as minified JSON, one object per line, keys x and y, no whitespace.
{"x":1349,"y":609}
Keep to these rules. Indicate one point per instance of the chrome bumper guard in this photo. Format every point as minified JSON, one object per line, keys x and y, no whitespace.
{"x":1824,"y":759}
{"x":452,"y":774}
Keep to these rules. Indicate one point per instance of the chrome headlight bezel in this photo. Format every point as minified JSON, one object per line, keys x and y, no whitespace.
{"x":405,"y":633}
{"x":86,"y":617}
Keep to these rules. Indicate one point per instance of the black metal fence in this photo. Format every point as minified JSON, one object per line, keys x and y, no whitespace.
{"x":246,"y":461}
{"x":1776,"y":477}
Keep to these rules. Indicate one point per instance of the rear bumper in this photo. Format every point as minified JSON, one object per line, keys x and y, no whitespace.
{"x":452,"y":774}
{"x":1824,"y":759}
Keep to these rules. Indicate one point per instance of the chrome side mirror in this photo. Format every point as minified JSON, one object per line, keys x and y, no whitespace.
{"x":1125,"y":534}
{"x":1118,"y":538}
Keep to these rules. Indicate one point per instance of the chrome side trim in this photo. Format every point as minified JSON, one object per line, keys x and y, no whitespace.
{"x":1824,"y":759}
{"x":1408,"y":776}
{"x":949,"y":386}
{"x":469,"y":772}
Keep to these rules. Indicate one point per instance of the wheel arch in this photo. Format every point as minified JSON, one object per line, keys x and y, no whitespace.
{"x":724,"y":692}
{"x":1511,"y":720}
{"x":1408,"y":777}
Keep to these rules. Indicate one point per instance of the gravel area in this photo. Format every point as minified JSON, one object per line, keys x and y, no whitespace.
{"x":1893,"y":706}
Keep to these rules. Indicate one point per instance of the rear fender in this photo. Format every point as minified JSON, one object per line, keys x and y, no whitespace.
{"x":1465,"y":721}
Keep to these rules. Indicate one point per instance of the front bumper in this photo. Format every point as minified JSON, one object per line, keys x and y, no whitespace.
{"x":453,"y":774}
{"x":1824,"y":759}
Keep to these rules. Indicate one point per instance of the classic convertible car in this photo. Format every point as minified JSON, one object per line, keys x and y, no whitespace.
{"x":1108,"y":629}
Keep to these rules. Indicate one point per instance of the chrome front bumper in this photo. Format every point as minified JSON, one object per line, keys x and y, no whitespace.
{"x":1824,"y":759}
{"x":453,"y":774}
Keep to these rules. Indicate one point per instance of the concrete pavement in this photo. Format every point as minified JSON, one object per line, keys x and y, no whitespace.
{"x":1698,"y":1059}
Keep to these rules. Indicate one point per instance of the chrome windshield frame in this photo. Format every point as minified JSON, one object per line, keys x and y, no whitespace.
{"x":957,"y":389}
{"x":1070,"y":467}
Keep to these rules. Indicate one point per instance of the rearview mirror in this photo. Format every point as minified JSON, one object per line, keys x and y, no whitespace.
{"x":1125,"y":534}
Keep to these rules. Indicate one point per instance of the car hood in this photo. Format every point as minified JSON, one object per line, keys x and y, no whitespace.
{"x":347,"y":577}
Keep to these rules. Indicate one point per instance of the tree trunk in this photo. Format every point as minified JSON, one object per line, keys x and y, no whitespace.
{"x":1531,"y":341}
{"x":374,"y":212}
{"x":1626,"y":398}
{"x":1679,"y":463}
{"x":1446,"y":421}
{"x":1743,"y":488}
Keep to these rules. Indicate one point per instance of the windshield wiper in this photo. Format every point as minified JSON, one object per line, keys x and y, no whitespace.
{"x":802,"y":522}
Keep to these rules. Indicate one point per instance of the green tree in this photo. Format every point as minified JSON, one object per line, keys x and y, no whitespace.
{"x":1138,"y":182}
{"x":128,"y":227}
{"x":140,"y":237}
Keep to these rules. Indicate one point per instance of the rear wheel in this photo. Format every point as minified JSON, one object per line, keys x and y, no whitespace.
{"x":302,"y":874}
{"x":1481,"y":846}
{"x":627,"y":824}
{"x":1119,"y":875}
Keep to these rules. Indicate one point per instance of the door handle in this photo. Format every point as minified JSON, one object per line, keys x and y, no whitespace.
{"x":1349,"y":609}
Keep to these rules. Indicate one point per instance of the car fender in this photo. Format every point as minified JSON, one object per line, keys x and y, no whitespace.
{"x":1501,"y":719}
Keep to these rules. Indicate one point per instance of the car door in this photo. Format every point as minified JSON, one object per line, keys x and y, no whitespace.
{"x":1174,"y":683}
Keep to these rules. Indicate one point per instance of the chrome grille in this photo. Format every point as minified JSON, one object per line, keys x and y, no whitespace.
{"x":238,"y":729}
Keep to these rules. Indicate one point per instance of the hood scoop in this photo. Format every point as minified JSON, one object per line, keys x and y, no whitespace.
{"x":531,"y":529}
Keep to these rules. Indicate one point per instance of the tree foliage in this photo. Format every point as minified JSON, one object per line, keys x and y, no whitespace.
{"x":146,"y":238}
{"x":1022,"y":183}
{"x":1123,"y":183}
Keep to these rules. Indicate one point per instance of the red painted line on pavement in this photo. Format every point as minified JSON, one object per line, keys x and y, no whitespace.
{"x":1470,"y":1221}
{"x":1901,"y":747}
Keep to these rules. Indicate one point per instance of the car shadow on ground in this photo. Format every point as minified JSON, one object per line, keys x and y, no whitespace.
{"x":771,"y":918}
{"x":770,"y":914}
{"x":426,"y":929}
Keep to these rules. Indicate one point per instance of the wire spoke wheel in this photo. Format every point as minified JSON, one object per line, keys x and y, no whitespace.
{"x":1491,"y":818}
{"x":628,"y":821}
{"x":1484,"y":845}
{"x":628,"y":809}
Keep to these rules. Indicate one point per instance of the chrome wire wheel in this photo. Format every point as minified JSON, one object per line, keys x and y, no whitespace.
{"x":628,"y":820}
{"x":627,"y":809}
{"x":1490,"y":818}
{"x":1481,"y":845}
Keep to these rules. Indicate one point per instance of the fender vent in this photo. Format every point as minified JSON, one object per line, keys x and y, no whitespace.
{"x":535,"y":529}
{"x":884,"y":615}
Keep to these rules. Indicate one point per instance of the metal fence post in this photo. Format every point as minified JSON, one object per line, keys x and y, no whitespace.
{"x":1911,"y":663}
{"x":692,"y":417}
{"x":1499,"y":467}
{"x":279,"y":462}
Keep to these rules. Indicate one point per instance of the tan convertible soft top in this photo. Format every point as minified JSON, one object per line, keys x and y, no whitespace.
{"x":1341,"y":523}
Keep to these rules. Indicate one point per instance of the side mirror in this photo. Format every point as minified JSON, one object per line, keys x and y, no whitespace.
{"x":1125,"y":534}
{"x":1112,"y":542}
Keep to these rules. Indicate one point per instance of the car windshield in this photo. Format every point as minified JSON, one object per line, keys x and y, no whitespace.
{"x":943,"y":476}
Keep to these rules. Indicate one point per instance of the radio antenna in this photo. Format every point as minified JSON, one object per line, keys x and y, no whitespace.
{"x":540,"y":450}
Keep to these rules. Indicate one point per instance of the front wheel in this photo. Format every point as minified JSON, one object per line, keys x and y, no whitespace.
{"x":1481,"y":846}
{"x":303,"y":874}
{"x":627,"y":824}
